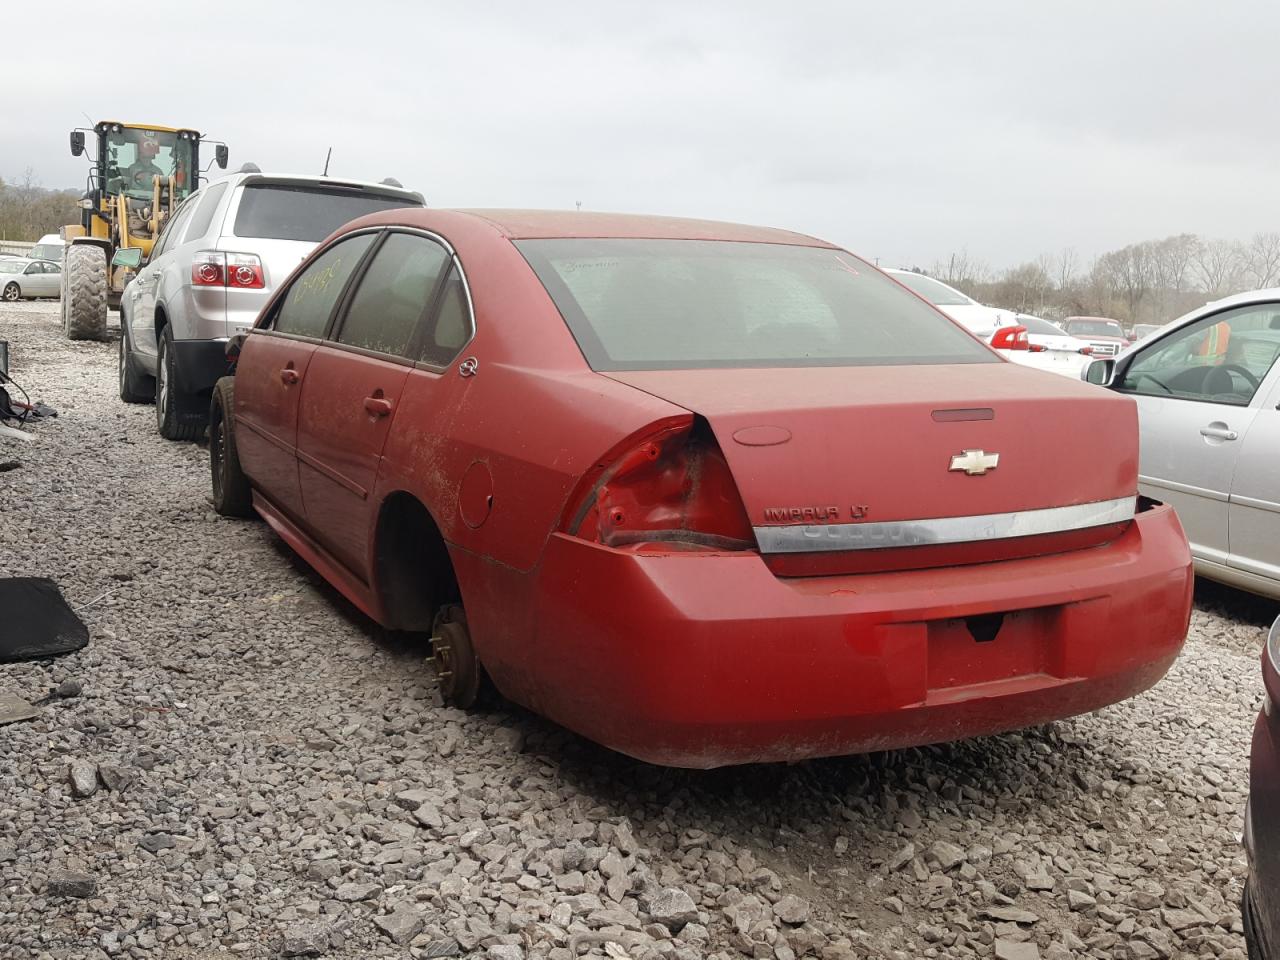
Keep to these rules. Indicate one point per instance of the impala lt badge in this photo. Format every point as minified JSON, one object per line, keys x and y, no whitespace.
{"x":975,"y":462}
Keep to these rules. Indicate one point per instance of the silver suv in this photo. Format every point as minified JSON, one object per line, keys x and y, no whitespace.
{"x":213,"y":267}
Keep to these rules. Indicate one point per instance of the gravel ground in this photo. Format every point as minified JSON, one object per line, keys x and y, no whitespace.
{"x":265,"y":772}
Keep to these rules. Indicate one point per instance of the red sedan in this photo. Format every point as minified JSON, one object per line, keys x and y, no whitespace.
{"x":704,"y":493}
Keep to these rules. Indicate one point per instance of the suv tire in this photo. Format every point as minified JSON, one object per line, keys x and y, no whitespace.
{"x":173,"y":417}
{"x":135,"y":387}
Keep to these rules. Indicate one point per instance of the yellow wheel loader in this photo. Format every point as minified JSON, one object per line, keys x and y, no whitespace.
{"x":139,"y":176}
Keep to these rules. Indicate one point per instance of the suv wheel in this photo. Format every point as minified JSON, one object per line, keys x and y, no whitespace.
{"x":174,"y":418}
{"x":134,"y":387}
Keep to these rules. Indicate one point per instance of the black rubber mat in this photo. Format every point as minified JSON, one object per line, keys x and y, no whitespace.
{"x":35,"y":620}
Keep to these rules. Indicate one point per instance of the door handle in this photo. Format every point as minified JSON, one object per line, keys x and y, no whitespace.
{"x":378,"y":406}
{"x":1219,"y":431}
{"x":289,"y":376}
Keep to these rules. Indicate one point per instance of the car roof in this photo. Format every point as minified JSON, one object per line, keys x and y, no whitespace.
{"x":567,"y":224}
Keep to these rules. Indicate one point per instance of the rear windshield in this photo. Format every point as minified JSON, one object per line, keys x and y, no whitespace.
{"x":1094,"y":328}
{"x":1041,"y":328}
{"x":935,"y":291}
{"x":691,"y":304}
{"x":276,"y":212}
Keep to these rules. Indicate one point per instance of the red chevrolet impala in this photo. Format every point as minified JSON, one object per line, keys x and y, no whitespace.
{"x":704,"y":493}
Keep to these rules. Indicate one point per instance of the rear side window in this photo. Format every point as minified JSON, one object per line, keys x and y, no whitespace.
{"x":394,"y":295}
{"x":309,"y":301}
{"x":202,"y":219}
{"x":689,"y":304}
{"x":452,"y":327}
{"x":311,"y":213}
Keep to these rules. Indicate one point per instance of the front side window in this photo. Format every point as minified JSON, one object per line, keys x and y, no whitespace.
{"x":687,"y":304}
{"x":1222,"y":358}
{"x":34,"y":268}
{"x":306,"y":306}
{"x":171,"y":228}
{"x":394,"y":295}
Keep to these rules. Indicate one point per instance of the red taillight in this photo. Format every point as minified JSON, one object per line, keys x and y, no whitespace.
{"x":208,"y":269}
{"x":671,"y":490}
{"x":1036,"y":347}
{"x":1011,"y":338}
{"x":213,"y":268}
{"x":1086,"y":350}
{"x":244,"y":270}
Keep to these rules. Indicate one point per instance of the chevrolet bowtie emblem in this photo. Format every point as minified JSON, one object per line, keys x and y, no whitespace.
{"x":975,"y":462}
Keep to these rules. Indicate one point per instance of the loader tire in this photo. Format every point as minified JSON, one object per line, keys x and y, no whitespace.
{"x":84,"y":293}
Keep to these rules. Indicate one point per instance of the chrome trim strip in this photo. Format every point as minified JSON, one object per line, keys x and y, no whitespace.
{"x":821,"y":538}
{"x":1159,"y":484}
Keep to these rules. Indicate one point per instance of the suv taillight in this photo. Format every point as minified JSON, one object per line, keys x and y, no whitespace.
{"x":671,"y":490}
{"x":213,"y":268}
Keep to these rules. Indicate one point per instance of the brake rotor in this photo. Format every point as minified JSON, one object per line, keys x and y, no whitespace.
{"x":454,"y":659}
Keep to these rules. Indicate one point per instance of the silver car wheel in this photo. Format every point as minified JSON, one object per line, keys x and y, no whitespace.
{"x":12,"y":293}
{"x":162,"y":382}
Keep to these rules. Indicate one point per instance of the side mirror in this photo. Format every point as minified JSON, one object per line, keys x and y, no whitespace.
{"x":1100,"y":372}
{"x":220,"y":155}
{"x":77,"y":142}
{"x":128,"y":257}
{"x":1011,"y":338}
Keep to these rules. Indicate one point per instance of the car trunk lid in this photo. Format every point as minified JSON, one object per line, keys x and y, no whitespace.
{"x":848,"y":469}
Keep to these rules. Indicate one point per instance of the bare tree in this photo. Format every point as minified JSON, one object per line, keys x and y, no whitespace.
{"x":1263,"y":257}
{"x":1065,"y":266}
{"x":1221,"y":266}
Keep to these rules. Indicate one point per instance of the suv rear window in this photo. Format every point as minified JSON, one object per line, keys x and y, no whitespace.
{"x":691,"y":304}
{"x":311,"y":213}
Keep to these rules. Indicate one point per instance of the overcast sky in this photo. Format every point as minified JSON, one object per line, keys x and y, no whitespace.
{"x":902,"y":131}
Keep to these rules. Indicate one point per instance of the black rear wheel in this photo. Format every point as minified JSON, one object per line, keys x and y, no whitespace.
{"x":176,"y":418}
{"x":232,"y":496}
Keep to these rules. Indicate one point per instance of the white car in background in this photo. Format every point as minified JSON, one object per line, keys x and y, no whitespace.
{"x":1049,"y":348}
{"x":980,"y":320}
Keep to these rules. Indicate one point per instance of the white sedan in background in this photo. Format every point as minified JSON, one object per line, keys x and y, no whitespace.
{"x":1048,"y":348}
{"x":980,"y":320}
{"x":29,"y":279}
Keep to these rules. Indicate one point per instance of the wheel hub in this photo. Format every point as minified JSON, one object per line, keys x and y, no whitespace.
{"x":454,"y":660}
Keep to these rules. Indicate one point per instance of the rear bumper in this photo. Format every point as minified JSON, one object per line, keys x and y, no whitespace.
{"x":701,"y":661}
{"x":200,"y":363}
{"x":1262,"y":838}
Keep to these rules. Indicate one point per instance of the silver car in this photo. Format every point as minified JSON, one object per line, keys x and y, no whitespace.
{"x":22,"y":278}
{"x":1208,"y":391}
{"x":213,"y":268}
